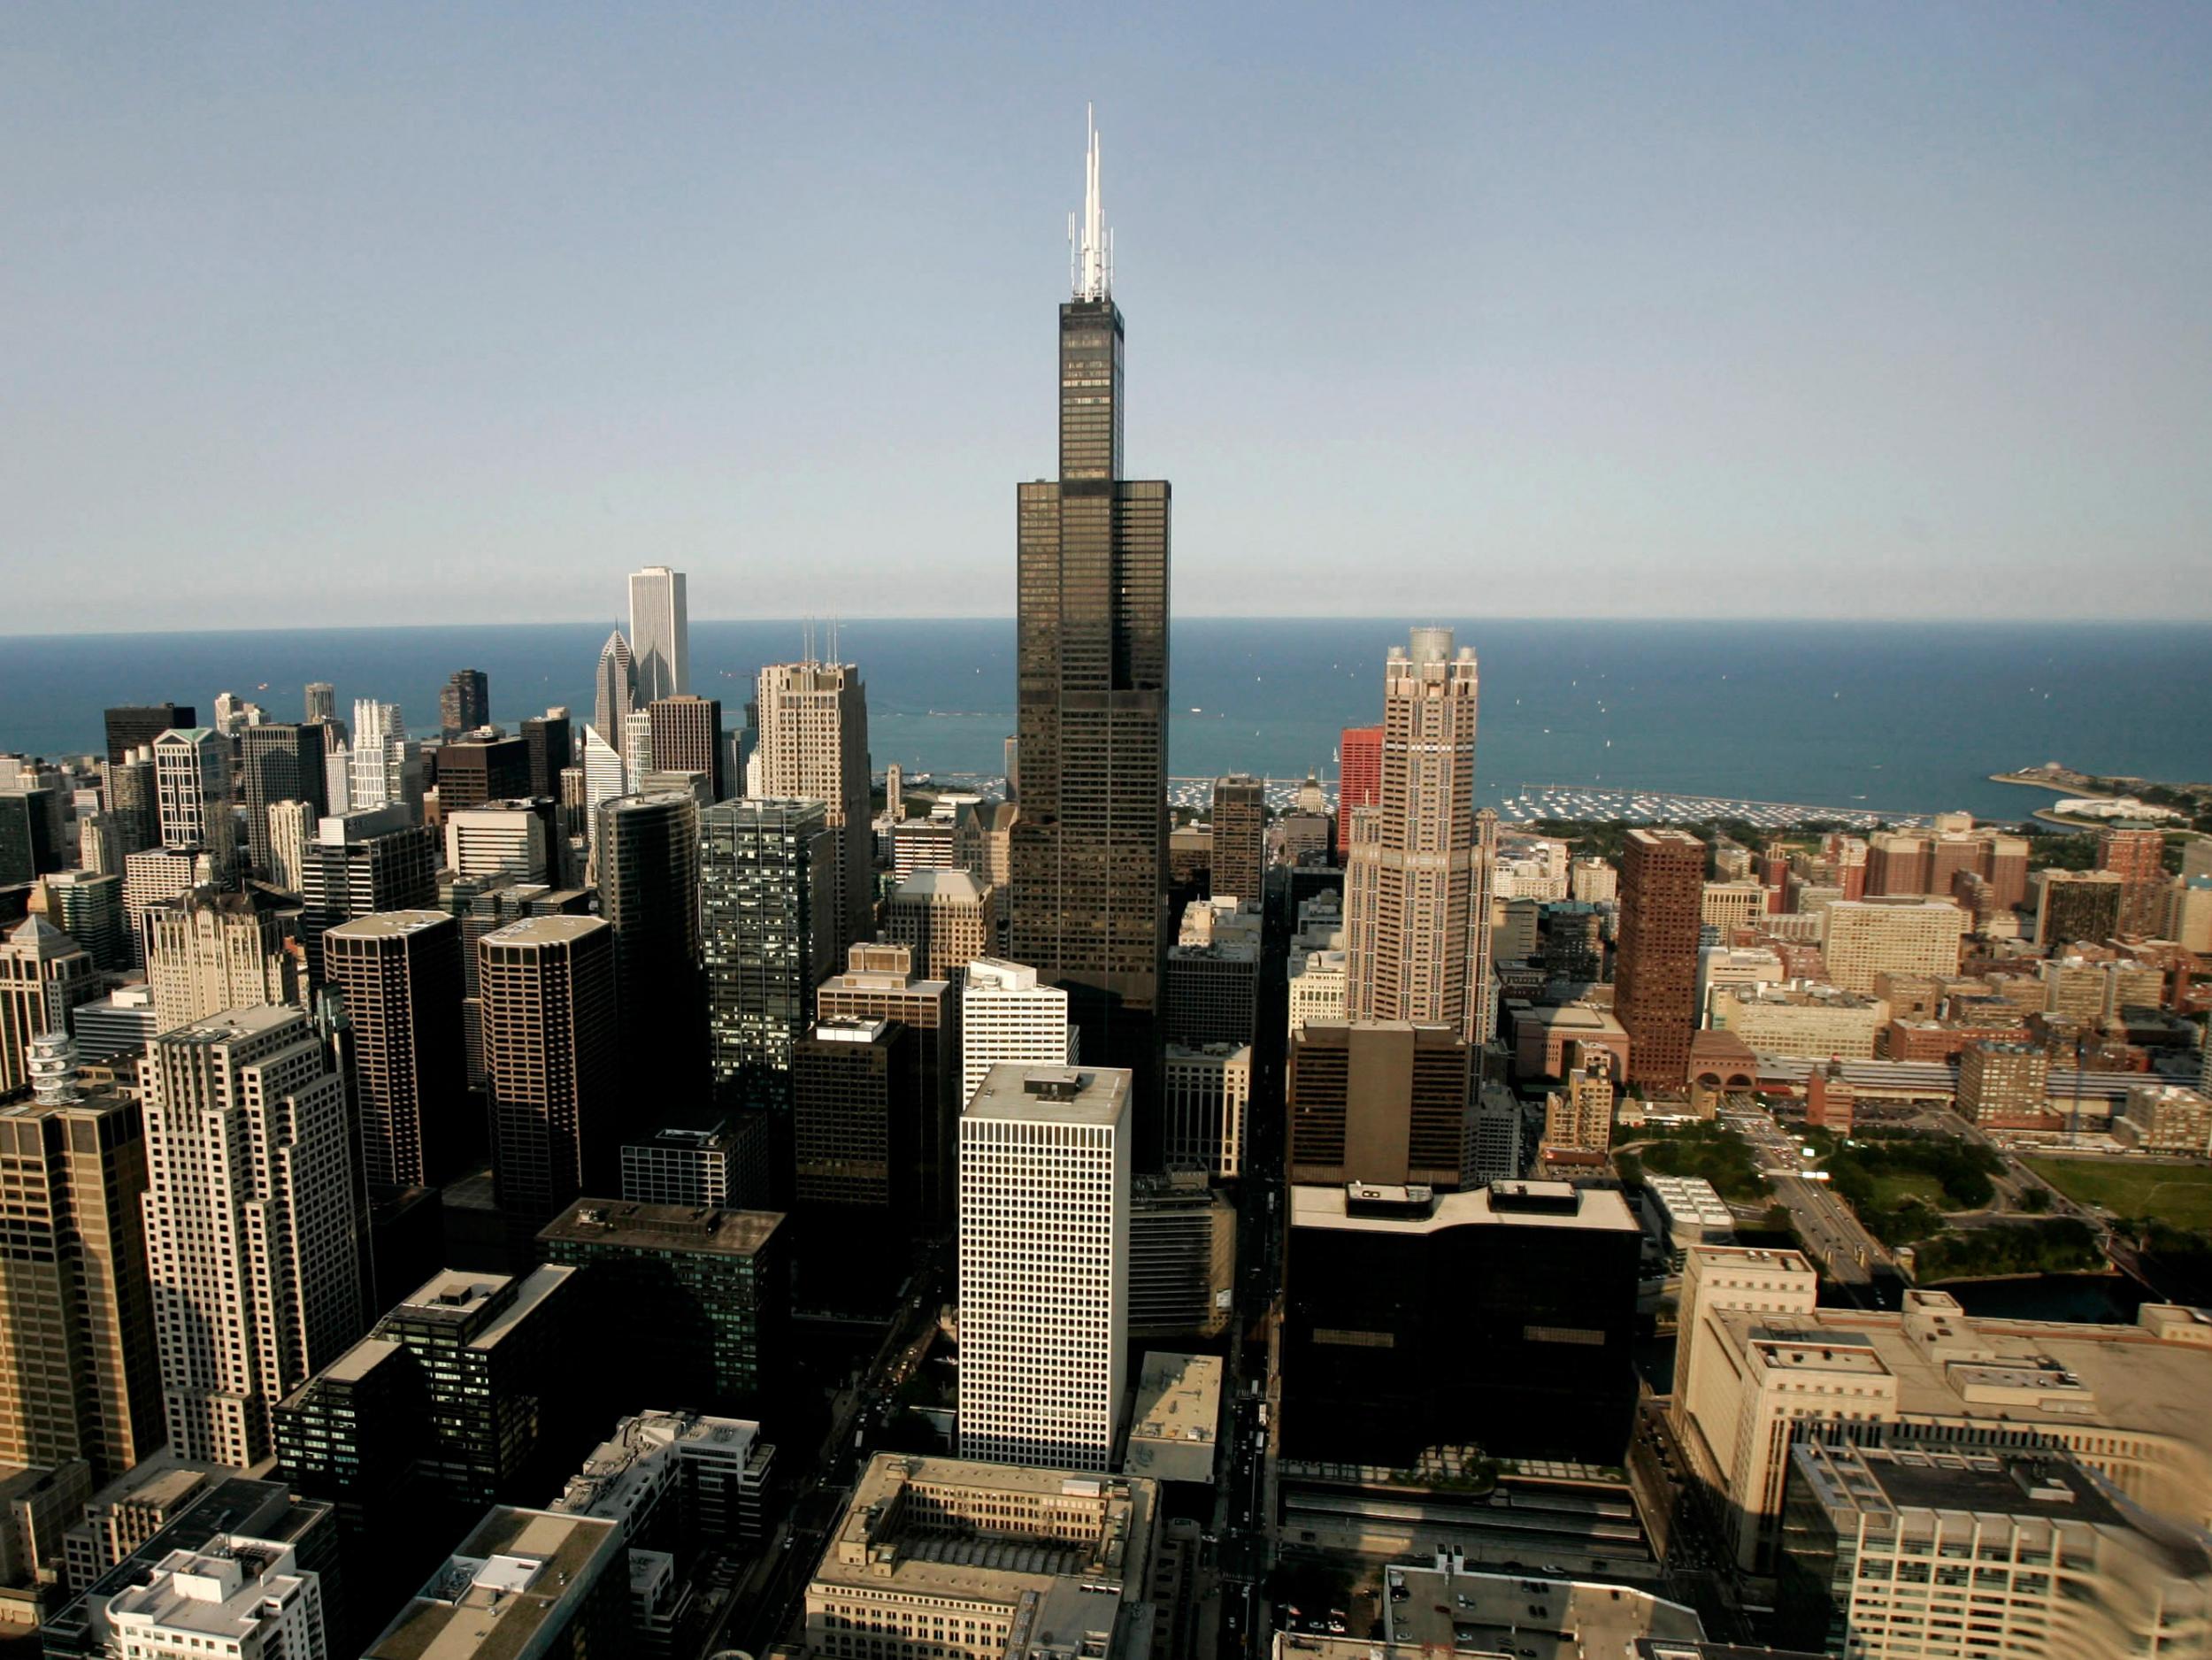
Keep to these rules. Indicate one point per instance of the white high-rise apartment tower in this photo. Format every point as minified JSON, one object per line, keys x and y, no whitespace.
{"x":1007,"y":1016}
{"x":660,"y":633}
{"x":380,"y":755}
{"x":1044,"y":1265}
{"x":251,"y":1227}
{"x":814,"y":744}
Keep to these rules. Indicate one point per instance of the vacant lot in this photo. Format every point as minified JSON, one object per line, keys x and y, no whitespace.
{"x":2180,"y":1196}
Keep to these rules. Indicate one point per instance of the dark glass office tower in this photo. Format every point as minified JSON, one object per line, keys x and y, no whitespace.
{"x":1089,"y":852}
{"x":279,"y":762}
{"x":130,"y":725}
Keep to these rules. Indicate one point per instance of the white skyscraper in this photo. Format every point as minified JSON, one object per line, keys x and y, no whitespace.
{"x":1044,"y":1265}
{"x":660,"y":633}
{"x":380,"y":755}
{"x":1006,"y":1015}
{"x":337,"y":777}
{"x":192,"y":786}
{"x":603,"y":779}
{"x":615,"y":689}
{"x":251,"y":1224}
{"x":637,"y":749}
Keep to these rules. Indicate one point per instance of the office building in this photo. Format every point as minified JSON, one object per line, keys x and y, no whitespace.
{"x":44,"y":974}
{"x":1593,"y":881}
{"x":1239,"y":839}
{"x":605,"y":777}
{"x":1729,"y":906}
{"x":129,"y":795}
{"x":1210,"y":985}
{"x":1008,"y":1017}
{"x":814,"y":746}
{"x":360,"y":863}
{"x":615,"y":691}
{"x":649,"y":892}
{"x":2004,"y":1085}
{"x":1044,"y":1264}
{"x":1379,"y":1102}
{"x":688,"y":1305}
{"x":114,"y":1029}
{"x":253,"y":1604}
{"x":1318,"y":990}
{"x":89,"y":908}
{"x":677,"y":1478}
{"x":551,"y":1066}
{"x":497,"y":1358}
{"x":686,"y":737}
{"x":465,"y":702}
{"x":1579,"y":1117}
{"x":1359,"y":770}
{"x":1182,"y":1257}
{"x":1866,"y":937}
{"x":28,"y":843}
{"x":637,"y":749}
{"x":1752,"y":1375}
{"x":1494,"y":1151}
{"x":518,"y":838}
{"x":946,"y":918}
{"x":338,"y":777}
{"x":1888,"y":1553}
{"x":983,"y":842}
{"x":134,"y":726}
{"x":1087,"y":905}
{"x":278,"y":763}
{"x":77,"y":1367}
{"x":401,"y":974}
{"x":1410,"y":875}
{"x":523,"y":1584}
{"x":768,"y":919}
{"x":879,"y":984}
{"x":1410,"y":1315}
{"x":1655,"y":974}
{"x":679,"y":1166}
{"x":660,"y":633}
{"x":1802,"y":1018}
{"x":208,"y":950}
{"x":2165,"y":1119}
{"x":858,"y":1119}
{"x":548,"y":740}
{"x":1208,"y":1092}
{"x":2072,"y":905}
{"x":192,"y":789}
{"x":319,"y":701}
{"x":252,"y":1224}
{"x":481,"y":768}
{"x":950,"y":1559}
{"x":1930,"y":862}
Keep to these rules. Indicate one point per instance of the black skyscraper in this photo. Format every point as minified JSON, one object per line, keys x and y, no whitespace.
{"x":465,"y":702}
{"x":279,"y":762}
{"x":132,"y":725}
{"x":1089,"y":851}
{"x":548,"y":738}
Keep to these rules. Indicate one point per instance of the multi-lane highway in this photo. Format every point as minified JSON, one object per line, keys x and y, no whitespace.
{"x":1831,"y":1235}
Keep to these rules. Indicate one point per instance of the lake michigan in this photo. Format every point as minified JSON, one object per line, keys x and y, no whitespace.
{"x":1909,"y":718}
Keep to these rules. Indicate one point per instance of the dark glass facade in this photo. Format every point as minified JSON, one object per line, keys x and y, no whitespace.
{"x":649,"y":891}
{"x":1089,"y":853}
{"x":279,"y":762}
{"x":767,"y":919}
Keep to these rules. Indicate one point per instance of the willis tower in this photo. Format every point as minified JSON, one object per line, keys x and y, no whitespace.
{"x":1089,"y":849}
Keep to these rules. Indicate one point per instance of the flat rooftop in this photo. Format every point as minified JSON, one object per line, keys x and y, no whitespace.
{"x":1499,"y":1613}
{"x":388,"y":925}
{"x":1601,"y":1208}
{"x":517,"y":1571}
{"x":1015,"y":1092}
{"x":1176,"y":1427}
{"x":705,"y":1229}
{"x":544,"y":931}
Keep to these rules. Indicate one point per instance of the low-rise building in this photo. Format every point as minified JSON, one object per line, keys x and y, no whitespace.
{"x":2165,"y":1119}
{"x":1175,"y":1428}
{"x":234,"y":1598}
{"x":954,"y":1560}
{"x":1801,"y":1018}
{"x":524,"y":1585}
{"x":1688,"y":1211}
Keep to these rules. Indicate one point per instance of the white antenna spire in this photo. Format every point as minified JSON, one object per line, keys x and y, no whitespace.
{"x":1092,"y":274}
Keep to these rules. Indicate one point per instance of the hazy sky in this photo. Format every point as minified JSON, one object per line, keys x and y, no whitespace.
{"x":383,"y":313}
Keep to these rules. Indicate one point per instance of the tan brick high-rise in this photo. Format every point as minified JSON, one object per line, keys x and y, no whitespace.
{"x":1411,"y":875}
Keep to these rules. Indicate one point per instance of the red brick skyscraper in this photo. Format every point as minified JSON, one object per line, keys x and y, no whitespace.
{"x":2138,"y":857}
{"x":1655,"y":980}
{"x":1359,"y":768}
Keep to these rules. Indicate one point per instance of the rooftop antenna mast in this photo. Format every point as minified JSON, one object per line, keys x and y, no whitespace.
{"x":1091,"y":252}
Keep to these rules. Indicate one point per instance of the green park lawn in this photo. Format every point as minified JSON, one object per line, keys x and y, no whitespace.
{"x":2180,"y":1196}
{"x":1895,"y":1187}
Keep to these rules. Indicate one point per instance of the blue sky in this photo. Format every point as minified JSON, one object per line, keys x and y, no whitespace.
{"x":387,"y":313}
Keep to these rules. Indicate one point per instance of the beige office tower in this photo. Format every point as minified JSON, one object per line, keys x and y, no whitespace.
{"x":814,"y":743}
{"x":946,"y":918}
{"x":1044,"y":1265}
{"x":77,"y":1374}
{"x":251,"y":1224}
{"x":43,"y":974}
{"x":1900,"y":935}
{"x":208,"y":951}
{"x":1579,"y":1117}
{"x":291,"y":828}
{"x":1239,"y":840}
{"x":1411,"y":876}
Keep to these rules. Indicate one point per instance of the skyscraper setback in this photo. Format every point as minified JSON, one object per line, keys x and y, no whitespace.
{"x":1411,"y":873}
{"x":1090,"y":851}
